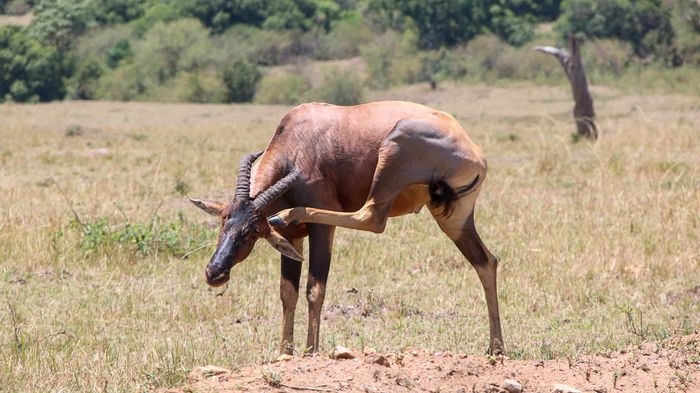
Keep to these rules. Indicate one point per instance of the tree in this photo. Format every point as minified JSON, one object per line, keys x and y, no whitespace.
{"x":182,"y":45}
{"x":448,"y":22}
{"x":584,"y":114}
{"x":270,"y":14}
{"x":29,"y":70}
{"x":60,"y":22}
{"x":241,"y":80}
{"x":439,"y":22}
{"x":116,"y":11}
{"x":646,"y":24}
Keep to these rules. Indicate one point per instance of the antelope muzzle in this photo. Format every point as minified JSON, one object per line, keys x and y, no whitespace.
{"x":219,"y":267}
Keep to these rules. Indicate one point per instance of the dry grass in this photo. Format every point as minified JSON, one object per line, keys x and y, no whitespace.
{"x":592,"y":240}
{"x":16,"y":20}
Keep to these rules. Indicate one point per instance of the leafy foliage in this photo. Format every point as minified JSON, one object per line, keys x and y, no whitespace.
{"x":646,"y":24}
{"x":287,"y":89}
{"x":60,"y":22}
{"x":270,"y":14}
{"x":241,"y":80}
{"x":29,"y":70}
{"x":341,"y":87}
{"x":174,"y":237}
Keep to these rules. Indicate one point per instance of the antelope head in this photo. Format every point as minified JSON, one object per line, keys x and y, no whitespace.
{"x":243,"y":223}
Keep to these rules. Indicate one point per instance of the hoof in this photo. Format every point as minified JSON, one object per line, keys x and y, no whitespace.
{"x":276,"y":221}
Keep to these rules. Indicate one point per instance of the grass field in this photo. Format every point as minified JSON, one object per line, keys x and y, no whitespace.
{"x":599,"y":244}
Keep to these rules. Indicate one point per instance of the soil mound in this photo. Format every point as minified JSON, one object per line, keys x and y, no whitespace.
{"x":670,"y":366}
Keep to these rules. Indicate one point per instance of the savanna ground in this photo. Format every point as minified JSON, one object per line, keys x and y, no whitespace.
{"x":599,"y":244}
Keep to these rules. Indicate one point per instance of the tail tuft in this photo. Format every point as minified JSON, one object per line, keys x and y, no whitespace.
{"x":443,"y":195}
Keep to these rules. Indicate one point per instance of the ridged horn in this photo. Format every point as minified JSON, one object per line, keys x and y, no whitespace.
{"x":274,"y":192}
{"x":243,"y":182}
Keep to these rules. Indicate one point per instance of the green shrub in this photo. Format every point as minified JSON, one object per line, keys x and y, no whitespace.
{"x":257,"y":45}
{"x":241,"y":80}
{"x":284,"y":88}
{"x":99,"y":42}
{"x":83,"y":83}
{"x":392,"y":59}
{"x":346,"y":37}
{"x":197,"y":87}
{"x":29,"y":71}
{"x":174,"y":237}
{"x":155,"y":13}
{"x":120,"y":51}
{"x":167,"y":49}
{"x":125,"y":83}
{"x":686,"y":26}
{"x":341,"y":87}
{"x":607,"y":56}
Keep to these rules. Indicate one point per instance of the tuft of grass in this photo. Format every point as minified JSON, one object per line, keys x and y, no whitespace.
{"x":272,"y":377}
{"x":74,"y":130}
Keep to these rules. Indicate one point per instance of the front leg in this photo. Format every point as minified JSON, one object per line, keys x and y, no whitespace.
{"x":371,"y":217}
{"x":289,"y":293}
{"x":320,"y":246}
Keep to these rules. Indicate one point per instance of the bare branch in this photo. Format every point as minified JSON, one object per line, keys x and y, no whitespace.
{"x":584,"y":114}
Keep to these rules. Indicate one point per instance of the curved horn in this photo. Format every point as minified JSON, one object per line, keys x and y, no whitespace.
{"x":274,"y":192}
{"x":243,"y":182}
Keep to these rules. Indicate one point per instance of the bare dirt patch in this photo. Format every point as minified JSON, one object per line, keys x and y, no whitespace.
{"x":670,"y":366}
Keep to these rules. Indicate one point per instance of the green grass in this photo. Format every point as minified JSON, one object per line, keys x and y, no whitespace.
{"x":591,"y":238}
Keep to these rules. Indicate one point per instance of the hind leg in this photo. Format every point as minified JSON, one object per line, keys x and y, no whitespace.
{"x":464,"y":235}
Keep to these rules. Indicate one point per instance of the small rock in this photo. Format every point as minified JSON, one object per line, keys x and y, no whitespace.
{"x":284,"y":358}
{"x":201,"y":373}
{"x":559,"y":388}
{"x":340,"y":352}
{"x":512,"y":386}
{"x":369,"y":350}
{"x":377,"y":359}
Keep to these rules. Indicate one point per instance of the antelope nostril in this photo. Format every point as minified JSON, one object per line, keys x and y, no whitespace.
{"x":216,"y":278}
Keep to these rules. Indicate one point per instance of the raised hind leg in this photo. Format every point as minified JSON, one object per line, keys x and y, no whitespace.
{"x":464,"y":235}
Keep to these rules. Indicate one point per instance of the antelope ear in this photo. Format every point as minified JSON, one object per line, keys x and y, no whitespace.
{"x":281,"y":244}
{"x":212,"y":207}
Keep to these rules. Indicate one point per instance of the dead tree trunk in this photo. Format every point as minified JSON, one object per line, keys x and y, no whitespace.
{"x":584,"y":115}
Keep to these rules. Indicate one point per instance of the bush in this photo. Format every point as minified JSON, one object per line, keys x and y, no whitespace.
{"x":256,"y":45}
{"x":241,"y":80}
{"x":83,"y":84}
{"x":197,"y":87}
{"x":341,"y":87}
{"x":288,"y":89}
{"x":125,"y":83}
{"x":167,"y":49}
{"x":29,"y":71}
{"x":346,"y":37}
{"x":607,"y":56}
{"x":154,"y":14}
{"x":686,"y":26}
{"x":120,"y":51}
{"x":392,"y":59}
{"x":99,"y":42}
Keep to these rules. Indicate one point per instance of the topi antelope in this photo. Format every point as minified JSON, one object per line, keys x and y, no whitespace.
{"x":353,"y":167}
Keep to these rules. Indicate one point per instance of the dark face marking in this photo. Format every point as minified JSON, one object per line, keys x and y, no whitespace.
{"x":241,"y":227}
